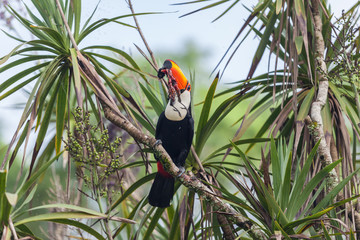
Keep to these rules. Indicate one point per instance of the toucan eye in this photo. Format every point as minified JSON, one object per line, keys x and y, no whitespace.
{"x":167,"y":64}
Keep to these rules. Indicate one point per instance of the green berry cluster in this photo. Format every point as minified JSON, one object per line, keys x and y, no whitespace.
{"x":96,"y":157}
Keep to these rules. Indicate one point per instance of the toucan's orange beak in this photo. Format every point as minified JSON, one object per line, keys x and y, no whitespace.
{"x":172,"y":70}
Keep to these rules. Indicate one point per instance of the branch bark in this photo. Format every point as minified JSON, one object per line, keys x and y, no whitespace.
{"x":322,"y":94}
{"x":113,"y":114}
{"x":188,"y":179}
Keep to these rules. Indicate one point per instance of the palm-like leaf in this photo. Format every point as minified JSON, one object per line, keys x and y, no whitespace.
{"x":60,"y":73}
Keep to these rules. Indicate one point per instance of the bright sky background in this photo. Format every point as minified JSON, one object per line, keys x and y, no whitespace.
{"x":163,"y":32}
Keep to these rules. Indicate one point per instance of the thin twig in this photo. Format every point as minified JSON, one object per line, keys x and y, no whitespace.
{"x":113,"y":114}
{"x":67,"y":26}
{"x":142,"y":35}
{"x":197,"y":159}
{"x":12,"y":228}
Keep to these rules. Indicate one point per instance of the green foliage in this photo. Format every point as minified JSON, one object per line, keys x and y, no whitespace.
{"x":278,"y":187}
{"x":95,"y":157}
{"x":285,"y":204}
{"x":15,"y":205}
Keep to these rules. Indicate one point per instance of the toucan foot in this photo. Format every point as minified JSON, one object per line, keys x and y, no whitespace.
{"x":181,"y":171}
{"x":157,"y":143}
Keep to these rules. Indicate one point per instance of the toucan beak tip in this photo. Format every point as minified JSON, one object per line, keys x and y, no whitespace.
{"x":161,"y":73}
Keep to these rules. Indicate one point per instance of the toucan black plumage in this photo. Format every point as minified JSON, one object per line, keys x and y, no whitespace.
{"x":175,"y":130}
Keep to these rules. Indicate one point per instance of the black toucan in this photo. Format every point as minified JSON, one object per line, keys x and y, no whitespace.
{"x":175,"y":130}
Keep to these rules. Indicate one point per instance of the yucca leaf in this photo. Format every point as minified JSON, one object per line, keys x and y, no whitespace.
{"x":79,"y":225}
{"x":27,"y":24}
{"x":54,"y":35}
{"x":92,"y":27}
{"x":304,"y":195}
{"x":57,"y":215}
{"x":77,"y":79}
{"x":283,"y":233}
{"x":266,"y":197}
{"x":205,"y":111}
{"x":4,"y":206}
{"x":48,"y":79}
{"x":19,"y":86}
{"x":34,"y":17}
{"x":226,"y":11}
{"x":246,"y":122}
{"x":325,"y":232}
{"x":276,"y":169}
{"x":286,"y":180}
{"x":134,"y":212}
{"x":13,"y":37}
{"x":154,"y":101}
{"x":149,"y":127}
{"x":46,"y":119}
{"x":55,"y":48}
{"x":69,"y":207}
{"x":299,"y":44}
{"x":131,"y":189}
{"x":61,"y":106}
{"x":279,"y":4}
{"x":25,"y":115}
{"x":19,"y":142}
{"x":204,"y":8}
{"x":219,"y":114}
{"x":332,"y":194}
{"x":153,"y":223}
{"x":120,"y":52}
{"x":117,"y":62}
{"x":27,"y":199}
{"x":342,"y":100}
{"x":77,"y":14}
{"x":24,"y":60}
{"x":305,"y":105}
{"x":47,"y":11}
{"x":174,"y":231}
{"x":28,"y":183}
{"x":239,"y":142}
{"x":316,"y":215}
{"x":118,"y":89}
{"x":20,"y":75}
{"x":263,"y":43}
{"x":4,"y":59}
{"x":37,"y":48}
{"x":91,"y":16}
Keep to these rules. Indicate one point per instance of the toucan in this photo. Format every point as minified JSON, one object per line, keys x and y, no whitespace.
{"x":174,"y":130}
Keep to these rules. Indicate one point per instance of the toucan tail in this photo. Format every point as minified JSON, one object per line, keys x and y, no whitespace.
{"x":162,"y":191}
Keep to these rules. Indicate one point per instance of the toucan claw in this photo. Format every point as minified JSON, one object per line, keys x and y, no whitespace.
{"x":157,"y":143}
{"x":181,"y":171}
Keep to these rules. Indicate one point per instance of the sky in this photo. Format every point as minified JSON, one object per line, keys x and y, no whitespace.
{"x":164,"y":32}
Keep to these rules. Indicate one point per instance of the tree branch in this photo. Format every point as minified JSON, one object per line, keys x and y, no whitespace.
{"x":67,"y":26}
{"x":188,"y":179}
{"x":317,"y":105}
{"x":142,"y":35}
{"x":113,"y":114}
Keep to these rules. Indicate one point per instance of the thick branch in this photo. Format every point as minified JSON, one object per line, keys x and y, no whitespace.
{"x":188,"y":180}
{"x":113,"y":114}
{"x":317,"y":105}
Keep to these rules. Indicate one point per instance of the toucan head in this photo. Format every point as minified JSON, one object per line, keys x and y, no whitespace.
{"x":177,"y":80}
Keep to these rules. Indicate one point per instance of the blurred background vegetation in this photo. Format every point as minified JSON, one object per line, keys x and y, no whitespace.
{"x":251,"y":137}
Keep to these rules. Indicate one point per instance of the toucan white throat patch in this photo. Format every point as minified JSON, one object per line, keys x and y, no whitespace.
{"x":178,"y":110}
